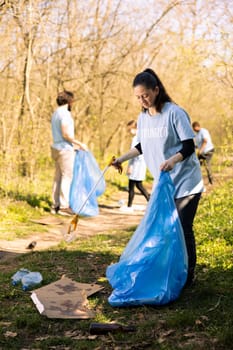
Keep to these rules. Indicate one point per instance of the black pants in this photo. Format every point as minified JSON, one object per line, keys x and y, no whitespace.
{"x":205,"y":159}
{"x":140,"y":187}
{"x":187,"y":207}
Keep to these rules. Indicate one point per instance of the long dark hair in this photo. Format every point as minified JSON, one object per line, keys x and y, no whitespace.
{"x":150,"y":80}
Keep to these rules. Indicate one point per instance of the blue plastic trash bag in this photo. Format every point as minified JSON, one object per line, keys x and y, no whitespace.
{"x":86,"y":173}
{"x":153,"y":267}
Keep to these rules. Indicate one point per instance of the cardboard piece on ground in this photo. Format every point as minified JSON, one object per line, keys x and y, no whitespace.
{"x":65,"y":298}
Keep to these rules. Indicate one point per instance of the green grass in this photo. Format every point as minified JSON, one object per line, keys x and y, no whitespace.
{"x":201,"y":319}
{"x":15,"y":219}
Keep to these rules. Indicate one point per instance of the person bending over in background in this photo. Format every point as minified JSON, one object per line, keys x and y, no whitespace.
{"x":62,"y":151}
{"x":136,"y":171}
{"x":205,"y":148}
{"x":165,"y":138}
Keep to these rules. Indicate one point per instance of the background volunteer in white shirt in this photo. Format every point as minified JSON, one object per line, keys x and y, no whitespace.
{"x":165,"y":139}
{"x":136,"y":171}
{"x":205,"y":148}
{"x":62,"y":151}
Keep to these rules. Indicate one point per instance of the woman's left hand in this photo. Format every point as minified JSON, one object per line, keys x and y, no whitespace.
{"x":169,"y":164}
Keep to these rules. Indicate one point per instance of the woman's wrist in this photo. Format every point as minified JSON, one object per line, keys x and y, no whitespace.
{"x":129,"y":155}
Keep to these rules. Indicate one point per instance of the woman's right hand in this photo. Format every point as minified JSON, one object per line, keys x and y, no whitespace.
{"x":117,"y":164}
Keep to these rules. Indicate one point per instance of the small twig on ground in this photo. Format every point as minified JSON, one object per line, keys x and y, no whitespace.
{"x":216,"y":305}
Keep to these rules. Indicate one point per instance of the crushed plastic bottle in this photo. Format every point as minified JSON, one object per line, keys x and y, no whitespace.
{"x":121,"y":202}
{"x":17,"y":277}
{"x":30,"y":280}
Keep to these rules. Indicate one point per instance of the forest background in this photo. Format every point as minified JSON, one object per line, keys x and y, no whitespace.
{"x":94,"y":48}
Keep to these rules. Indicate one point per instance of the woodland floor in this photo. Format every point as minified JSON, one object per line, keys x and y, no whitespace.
{"x":110,"y":218}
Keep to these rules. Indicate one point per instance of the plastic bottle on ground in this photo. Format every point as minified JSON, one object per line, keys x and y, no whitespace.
{"x":17,"y":277}
{"x":30,"y":280}
{"x":121,"y":202}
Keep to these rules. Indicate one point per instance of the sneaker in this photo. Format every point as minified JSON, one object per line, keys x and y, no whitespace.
{"x":125,"y":209}
{"x":139,"y":207}
{"x":66,"y":212}
{"x":54,"y":210}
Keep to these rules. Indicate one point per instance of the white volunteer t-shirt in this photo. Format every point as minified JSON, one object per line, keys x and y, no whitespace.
{"x":138,"y":164}
{"x":62,"y":117}
{"x":199,"y":138}
{"x":160,"y":137}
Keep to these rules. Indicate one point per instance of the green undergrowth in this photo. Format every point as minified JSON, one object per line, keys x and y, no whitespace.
{"x":15,"y":219}
{"x":214,"y":227}
{"x":201,"y":319}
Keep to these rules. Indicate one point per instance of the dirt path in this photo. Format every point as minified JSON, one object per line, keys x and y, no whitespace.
{"x":110,"y":218}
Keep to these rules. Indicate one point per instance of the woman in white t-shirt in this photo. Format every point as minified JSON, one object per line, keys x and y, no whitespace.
{"x":165,"y":138}
{"x":136,"y":171}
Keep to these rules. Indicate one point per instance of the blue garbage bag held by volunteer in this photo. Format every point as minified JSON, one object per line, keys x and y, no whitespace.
{"x":86,"y":173}
{"x":153,"y":267}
